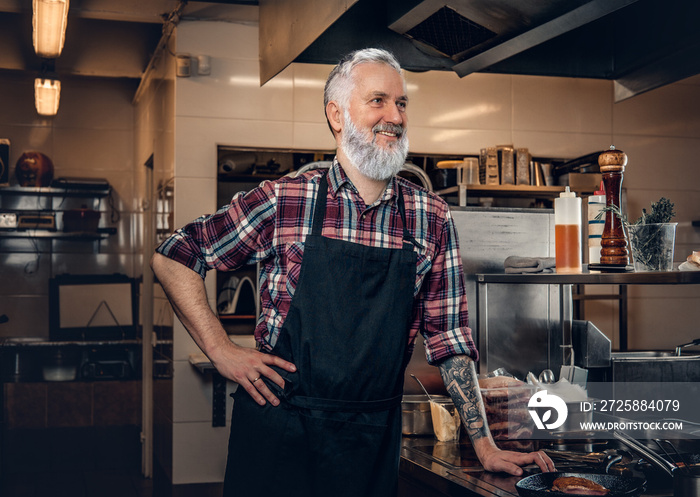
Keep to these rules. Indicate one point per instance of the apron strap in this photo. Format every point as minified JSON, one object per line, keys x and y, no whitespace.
{"x":320,"y":211}
{"x":320,"y":207}
{"x":407,"y":236}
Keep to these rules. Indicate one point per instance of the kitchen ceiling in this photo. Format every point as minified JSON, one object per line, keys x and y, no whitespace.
{"x":639,"y":44}
{"x":105,"y":38}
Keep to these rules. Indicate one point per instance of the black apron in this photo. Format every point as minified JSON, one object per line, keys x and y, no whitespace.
{"x":337,"y":431}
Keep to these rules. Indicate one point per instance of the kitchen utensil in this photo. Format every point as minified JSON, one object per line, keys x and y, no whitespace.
{"x":537,"y":174}
{"x":613,"y":241}
{"x":546,"y":376}
{"x":421,"y":385}
{"x":664,"y":465}
{"x":416,"y":419}
{"x":689,"y":344}
{"x":472,"y":171}
{"x":608,"y":457}
{"x":686,"y":478}
{"x":540,"y":485}
{"x":685,"y":467}
{"x":60,"y":364}
{"x":686,"y":483}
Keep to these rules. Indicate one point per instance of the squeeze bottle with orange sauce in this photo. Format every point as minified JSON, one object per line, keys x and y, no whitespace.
{"x":567,"y":232}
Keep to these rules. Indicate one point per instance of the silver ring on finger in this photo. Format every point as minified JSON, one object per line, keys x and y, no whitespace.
{"x":256,"y":379}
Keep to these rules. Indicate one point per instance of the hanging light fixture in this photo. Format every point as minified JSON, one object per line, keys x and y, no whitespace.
{"x":49,"y":23}
{"x":47,"y":93}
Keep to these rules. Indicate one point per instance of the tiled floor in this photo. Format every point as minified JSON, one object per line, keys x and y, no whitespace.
{"x":85,"y":462}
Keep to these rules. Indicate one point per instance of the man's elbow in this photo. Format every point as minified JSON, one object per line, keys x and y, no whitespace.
{"x":157,"y":260}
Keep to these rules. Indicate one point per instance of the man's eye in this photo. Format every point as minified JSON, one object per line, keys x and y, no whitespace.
{"x":401,"y":105}
{"x":377,"y":100}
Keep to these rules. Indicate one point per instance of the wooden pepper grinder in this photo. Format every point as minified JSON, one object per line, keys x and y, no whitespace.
{"x":613,"y":241}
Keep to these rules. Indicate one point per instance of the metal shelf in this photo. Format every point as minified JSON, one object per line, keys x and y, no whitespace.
{"x":47,"y":191}
{"x":49,"y":232}
{"x":595,"y":278}
{"x":59,"y":235}
{"x":622,"y":279}
{"x":512,"y":191}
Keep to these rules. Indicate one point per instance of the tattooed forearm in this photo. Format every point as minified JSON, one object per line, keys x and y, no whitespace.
{"x":459,"y":375}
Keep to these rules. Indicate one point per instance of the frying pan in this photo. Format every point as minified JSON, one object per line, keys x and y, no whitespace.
{"x":540,"y":485}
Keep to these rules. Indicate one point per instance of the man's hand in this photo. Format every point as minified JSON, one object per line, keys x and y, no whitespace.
{"x":187,"y":294}
{"x":506,"y":461}
{"x":459,"y":375}
{"x":247,"y":367}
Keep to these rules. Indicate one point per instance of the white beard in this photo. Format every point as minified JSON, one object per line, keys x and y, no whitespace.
{"x":371,"y":160}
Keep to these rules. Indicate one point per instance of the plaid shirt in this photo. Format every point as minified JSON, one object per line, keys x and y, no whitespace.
{"x":270,"y":223}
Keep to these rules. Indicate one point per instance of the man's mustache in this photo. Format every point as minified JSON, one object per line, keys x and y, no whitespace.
{"x":389,"y":128}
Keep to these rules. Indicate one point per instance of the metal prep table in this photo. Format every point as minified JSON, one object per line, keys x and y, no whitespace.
{"x":564,"y":283}
{"x":429,"y":468}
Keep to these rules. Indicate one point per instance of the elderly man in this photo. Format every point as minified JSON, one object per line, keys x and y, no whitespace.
{"x":355,"y":261}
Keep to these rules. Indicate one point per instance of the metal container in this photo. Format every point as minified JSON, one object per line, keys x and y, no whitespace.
{"x":640,"y":366}
{"x":686,"y":482}
{"x":60,"y":364}
{"x":416,"y":419}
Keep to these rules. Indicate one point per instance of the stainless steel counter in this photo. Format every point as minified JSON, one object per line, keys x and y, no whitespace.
{"x":31,"y":342}
{"x":432,"y":468}
{"x":429,"y":468}
{"x":596,"y":278}
{"x":32,"y":359}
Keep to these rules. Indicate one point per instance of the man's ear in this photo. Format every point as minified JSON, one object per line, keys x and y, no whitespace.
{"x":333,"y":114}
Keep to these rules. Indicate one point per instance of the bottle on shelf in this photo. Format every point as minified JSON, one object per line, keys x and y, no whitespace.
{"x":567,"y":232}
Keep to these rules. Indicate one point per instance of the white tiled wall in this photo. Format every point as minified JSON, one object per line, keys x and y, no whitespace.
{"x":91,"y":137}
{"x":555,"y":117}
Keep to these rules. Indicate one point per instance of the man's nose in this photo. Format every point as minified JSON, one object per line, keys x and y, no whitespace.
{"x":394,"y":115}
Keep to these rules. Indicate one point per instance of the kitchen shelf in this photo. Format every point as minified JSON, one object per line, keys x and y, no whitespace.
{"x":595,"y":278}
{"x":101,"y":234}
{"x":56,"y":192}
{"x":512,"y":191}
{"x":14,"y":195}
{"x":38,"y":342}
{"x":247,"y":178}
{"x":587,"y":277}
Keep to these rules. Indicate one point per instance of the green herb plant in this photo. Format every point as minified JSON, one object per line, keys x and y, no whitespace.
{"x":647,"y":243}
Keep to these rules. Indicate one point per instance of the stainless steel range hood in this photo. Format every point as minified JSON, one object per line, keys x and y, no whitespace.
{"x":639,"y":44}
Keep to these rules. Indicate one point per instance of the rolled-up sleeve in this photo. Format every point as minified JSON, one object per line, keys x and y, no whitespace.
{"x":445,"y":323}
{"x":237,"y":234}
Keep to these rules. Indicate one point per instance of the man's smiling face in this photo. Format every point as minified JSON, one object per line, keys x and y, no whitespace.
{"x":377,"y":104}
{"x":373,"y":134}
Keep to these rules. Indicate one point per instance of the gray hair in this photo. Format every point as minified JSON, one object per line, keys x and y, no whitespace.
{"x":339,"y":83}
